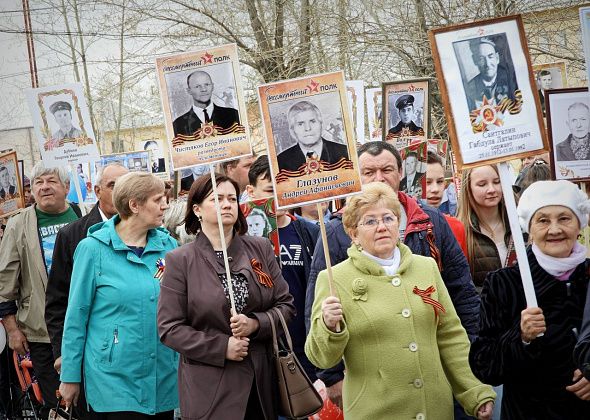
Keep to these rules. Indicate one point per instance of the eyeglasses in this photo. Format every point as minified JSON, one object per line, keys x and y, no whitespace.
{"x":373,"y":223}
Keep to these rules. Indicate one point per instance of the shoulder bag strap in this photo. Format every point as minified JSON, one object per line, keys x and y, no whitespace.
{"x":275,"y":343}
{"x":284,"y":324}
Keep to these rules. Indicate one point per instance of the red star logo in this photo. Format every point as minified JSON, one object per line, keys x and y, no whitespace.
{"x":207,"y":58}
{"x":313,"y":86}
{"x":480,"y":31}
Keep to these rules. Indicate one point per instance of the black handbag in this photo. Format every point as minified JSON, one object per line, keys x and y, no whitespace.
{"x":298,"y":396}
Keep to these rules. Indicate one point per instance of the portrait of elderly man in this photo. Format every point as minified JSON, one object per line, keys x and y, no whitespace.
{"x":406,"y":126}
{"x":494,"y":81}
{"x":200,"y":87}
{"x":577,"y":144}
{"x":7,"y":190}
{"x":305,"y":126}
{"x":62,"y":112}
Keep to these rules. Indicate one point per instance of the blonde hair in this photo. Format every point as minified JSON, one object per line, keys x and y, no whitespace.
{"x":137,"y":186}
{"x":468,"y":214}
{"x":374,"y":193}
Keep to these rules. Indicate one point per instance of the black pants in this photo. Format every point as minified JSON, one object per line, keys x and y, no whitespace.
{"x":47,"y":377}
{"x":133,"y":415}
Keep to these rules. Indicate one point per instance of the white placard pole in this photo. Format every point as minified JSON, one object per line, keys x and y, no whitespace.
{"x":78,"y":189}
{"x":230,"y":287}
{"x":326,"y":253}
{"x":523,"y":262}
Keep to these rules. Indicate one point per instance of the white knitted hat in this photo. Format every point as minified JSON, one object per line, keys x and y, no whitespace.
{"x":552,"y":193}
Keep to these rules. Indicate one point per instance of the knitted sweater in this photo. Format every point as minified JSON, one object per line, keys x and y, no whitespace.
{"x":401,"y":361}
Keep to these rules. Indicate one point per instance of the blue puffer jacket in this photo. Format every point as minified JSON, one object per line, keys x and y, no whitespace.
{"x":110,"y":325}
{"x":455,"y":269}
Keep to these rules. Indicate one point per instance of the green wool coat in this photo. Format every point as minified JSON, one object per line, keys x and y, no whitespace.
{"x":401,"y":360}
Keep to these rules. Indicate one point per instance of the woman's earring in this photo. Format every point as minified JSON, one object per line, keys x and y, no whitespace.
{"x":358,"y":246}
{"x":199,"y":218}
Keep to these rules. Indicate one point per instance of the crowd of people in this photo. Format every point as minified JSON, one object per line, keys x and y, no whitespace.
{"x":128,"y":310}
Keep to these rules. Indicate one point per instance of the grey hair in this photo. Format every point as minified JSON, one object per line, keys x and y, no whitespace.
{"x":174,"y":221}
{"x":39,"y":170}
{"x":100,"y":171}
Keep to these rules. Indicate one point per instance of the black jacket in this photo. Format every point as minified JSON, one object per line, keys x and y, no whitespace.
{"x":534,"y":376}
{"x":292,"y":158}
{"x":188,"y":123}
{"x":58,"y":284}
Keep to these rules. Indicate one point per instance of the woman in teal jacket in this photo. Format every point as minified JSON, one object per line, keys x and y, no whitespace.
{"x":110,"y":334}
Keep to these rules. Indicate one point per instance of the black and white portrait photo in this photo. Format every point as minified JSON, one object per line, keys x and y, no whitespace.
{"x":486,"y":70}
{"x":308,"y":130}
{"x":11,"y":197}
{"x":549,"y":76}
{"x":488,"y":90}
{"x":406,"y":110}
{"x":62,"y":113}
{"x":568,"y":121}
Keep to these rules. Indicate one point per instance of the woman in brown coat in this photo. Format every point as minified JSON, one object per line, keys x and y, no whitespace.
{"x":226,"y":367}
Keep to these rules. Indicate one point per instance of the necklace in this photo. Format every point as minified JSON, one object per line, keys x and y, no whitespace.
{"x":493,"y":229}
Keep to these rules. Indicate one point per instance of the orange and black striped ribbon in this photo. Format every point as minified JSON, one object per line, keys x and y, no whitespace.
{"x":425,"y":295}
{"x":261,"y":276}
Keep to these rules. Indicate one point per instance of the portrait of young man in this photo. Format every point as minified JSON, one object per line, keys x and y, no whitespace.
{"x":305,"y":127}
{"x":62,"y":112}
{"x":406,"y":126}
{"x":203,"y":111}
{"x":495,"y":80}
{"x":7,"y":189}
{"x":412,"y":180}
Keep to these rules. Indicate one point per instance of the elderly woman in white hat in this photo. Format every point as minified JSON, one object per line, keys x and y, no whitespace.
{"x":529,"y":350}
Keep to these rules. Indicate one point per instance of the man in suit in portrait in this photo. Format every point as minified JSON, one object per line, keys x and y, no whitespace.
{"x":406,"y":125}
{"x":494,"y":81}
{"x":203,"y":110}
{"x":6,"y":188}
{"x":412,"y":181}
{"x":305,"y":126}
{"x":577,"y":145}
{"x":544,"y":79}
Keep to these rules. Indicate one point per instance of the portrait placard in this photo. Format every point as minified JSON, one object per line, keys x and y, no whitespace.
{"x":139,"y":161}
{"x":262,"y":220}
{"x":568,"y":123}
{"x":407,"y":110}
{"x":63,"y":125}
{"x":159,"y":156}
{"x":585,"y":25}
{"x":11,"y":187}
{"x":355,"y":92}
{"x":549,"y":76}
{"x":204,"y":107}
{"x":413,"y":181}
{"x":489,"y":93}
{"x":375,"y":113}
{"x":310,"y":140}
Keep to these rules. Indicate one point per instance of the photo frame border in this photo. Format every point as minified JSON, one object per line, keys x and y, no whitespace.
{"x":427,"y":98}
{"x":555,"y":92}
{"x":445,"y":92}
{"x":19,"y":180}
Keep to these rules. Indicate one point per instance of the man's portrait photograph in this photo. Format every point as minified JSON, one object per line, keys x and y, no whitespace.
{"x":11,"y":197}
{"x":549,"y":76}
{"x":204,"y":106}
{"x":310,"y":139}
{"x":488,"y":90}
{"x":406,"y":110}
{"x":414,"y":168}
{"x":158,"y":156}
{"x":305,"y":134}
{"x":568,"y":122}
{"x":62,"y":121}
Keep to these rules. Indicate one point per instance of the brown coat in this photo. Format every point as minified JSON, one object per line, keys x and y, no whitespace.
{"x":193,"y":319}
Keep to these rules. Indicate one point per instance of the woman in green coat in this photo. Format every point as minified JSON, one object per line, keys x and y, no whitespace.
{"x":110,"y":334}
{"x":405,"y":351}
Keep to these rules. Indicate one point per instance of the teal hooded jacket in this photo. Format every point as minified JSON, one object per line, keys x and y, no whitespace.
{"x":110,"y":326}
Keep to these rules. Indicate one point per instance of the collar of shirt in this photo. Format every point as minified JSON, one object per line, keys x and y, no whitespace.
{"x":102,"y":215}
{"x":199,"y":111}
{"x":490,"y":83}
{"x":317,"y":149}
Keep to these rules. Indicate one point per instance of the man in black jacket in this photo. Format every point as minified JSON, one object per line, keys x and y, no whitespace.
{"x":68,"y":238}
{"x":297,"y":243}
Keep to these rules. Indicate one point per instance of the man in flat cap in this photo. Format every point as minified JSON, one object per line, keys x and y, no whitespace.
{"x":406,"y":127}
{"x":62,"y":112}
{"x":203,"y":110}
{"x":494,"y":81}
{"x":305,"y":126}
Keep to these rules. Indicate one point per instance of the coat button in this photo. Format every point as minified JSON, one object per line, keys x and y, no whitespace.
{"x":406,"y":313}
{"x":152,"y":298}
{"x":413,"y":346}
{"x":153,"y":355}
{"x":420,"y":416}
{"x":396,"y":281}
{"x":418,"y":383}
